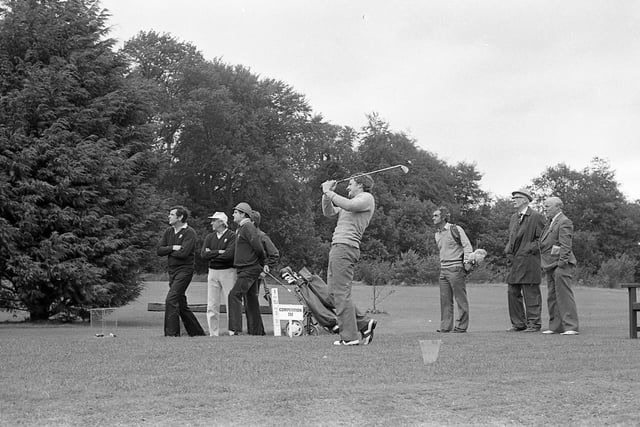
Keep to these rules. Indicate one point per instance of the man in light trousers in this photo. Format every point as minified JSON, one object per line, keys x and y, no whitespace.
{"x":218,"y":249}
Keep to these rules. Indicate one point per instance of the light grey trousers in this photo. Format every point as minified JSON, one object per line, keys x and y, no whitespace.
{"x":563,"y":314}
{"x":453,"y":286}
{"x":342,"y":261}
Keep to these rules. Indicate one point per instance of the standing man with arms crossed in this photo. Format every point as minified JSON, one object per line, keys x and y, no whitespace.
{"x":558,"y":264}
{"x":523,"y":257}
{"x":354,"y":214}
{"x":218,"y":249}
{"x":178,"y":244}
{"x":455,"y":252}
{"x":248,"y":260}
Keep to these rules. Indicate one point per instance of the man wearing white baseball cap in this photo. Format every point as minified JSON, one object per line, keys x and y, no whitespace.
{"x":218,"y":249}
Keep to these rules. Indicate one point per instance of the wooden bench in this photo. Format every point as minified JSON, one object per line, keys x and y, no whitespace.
{"x":202,"y":308}
{"x":634,"y":308}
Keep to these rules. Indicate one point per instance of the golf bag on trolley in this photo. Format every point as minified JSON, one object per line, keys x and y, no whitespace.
{"x":313,"y":293}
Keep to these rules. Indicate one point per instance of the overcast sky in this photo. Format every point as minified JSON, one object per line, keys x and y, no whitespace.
{"x":514,"y":86}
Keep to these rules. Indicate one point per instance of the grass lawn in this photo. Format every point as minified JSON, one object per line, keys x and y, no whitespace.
{"x":64,"y":375}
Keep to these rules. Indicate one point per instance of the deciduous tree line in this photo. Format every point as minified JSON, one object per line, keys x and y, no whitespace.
{"x":97,"y":143}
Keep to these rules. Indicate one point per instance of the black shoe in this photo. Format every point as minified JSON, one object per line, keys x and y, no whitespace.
{"x":514,"y":329}
{"x":459,"y":331}
{"x":443,"y":331}
{"x":532,"y":330}
{"x":367,"y":333}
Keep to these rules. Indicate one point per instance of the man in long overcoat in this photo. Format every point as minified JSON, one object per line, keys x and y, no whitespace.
{"x":523,"y":257}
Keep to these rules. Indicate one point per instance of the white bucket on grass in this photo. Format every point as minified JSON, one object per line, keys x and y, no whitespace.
{"x":430,"y":350}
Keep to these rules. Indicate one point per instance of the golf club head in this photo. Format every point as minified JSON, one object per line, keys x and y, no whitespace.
{"x":404,"y":168}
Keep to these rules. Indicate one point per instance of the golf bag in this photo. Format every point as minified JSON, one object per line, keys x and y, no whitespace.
{"x":314,"y":293}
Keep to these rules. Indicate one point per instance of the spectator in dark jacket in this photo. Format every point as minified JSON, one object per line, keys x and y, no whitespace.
{"x":523,"y":257}
{"x":248,"y":260}
{"x":271,"y":258}
{"x":271,"y":252}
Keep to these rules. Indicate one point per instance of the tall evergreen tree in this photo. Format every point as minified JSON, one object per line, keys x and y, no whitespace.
{"x":75,"y":162}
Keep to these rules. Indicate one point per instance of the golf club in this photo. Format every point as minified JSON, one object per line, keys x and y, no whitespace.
{"x":402,"y":167}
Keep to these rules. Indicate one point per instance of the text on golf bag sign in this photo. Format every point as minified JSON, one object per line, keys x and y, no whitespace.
{"x":290,"y":311}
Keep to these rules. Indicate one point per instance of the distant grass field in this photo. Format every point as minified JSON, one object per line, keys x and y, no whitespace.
{"x":64,"y":375}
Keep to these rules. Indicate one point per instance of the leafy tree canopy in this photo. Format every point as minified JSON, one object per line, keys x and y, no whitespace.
{"x":76,"y":165}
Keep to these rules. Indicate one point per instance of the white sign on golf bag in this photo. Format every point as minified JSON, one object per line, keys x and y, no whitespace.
{"x":284,"y":312}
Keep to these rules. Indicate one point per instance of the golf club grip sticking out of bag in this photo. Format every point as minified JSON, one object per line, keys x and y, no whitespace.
{"x":315,"y":300}
{"x":290,"y":276}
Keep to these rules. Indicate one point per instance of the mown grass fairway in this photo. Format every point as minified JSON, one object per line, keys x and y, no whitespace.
{"x":64,"y":375}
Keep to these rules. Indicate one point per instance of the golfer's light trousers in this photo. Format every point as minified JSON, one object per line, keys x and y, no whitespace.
{"x":342,"y":261}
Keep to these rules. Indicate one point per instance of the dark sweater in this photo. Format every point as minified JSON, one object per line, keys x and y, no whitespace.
{"x":186,"y":238}
{"x":249,"y":249}
{"x":226,"y":243}
{"x":270,"y":251}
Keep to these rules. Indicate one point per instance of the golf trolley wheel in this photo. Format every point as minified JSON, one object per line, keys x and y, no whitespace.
{"x":296,"y":329}
{"x":312,"y":330}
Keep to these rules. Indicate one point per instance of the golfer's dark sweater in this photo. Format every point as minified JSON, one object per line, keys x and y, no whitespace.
{"x":186,"y":238}
{"x":226,"y":243}
{"x":249,"y":249}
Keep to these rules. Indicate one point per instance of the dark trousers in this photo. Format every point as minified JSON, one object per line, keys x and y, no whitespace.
{"x":252,"y":309}
{"x":176,"y":307}
{"x":246,"y":286}
{"x":525,"y":306}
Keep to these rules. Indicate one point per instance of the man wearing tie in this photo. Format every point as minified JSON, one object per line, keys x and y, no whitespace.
{"x":558,"y":264}
{"x":523,"y":258}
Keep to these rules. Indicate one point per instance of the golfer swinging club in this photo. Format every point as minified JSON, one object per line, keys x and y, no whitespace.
{"x":354,"y":214}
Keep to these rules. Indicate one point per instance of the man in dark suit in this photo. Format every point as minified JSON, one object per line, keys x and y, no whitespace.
{"x":558,"y":264}
{"x":523,"y":258}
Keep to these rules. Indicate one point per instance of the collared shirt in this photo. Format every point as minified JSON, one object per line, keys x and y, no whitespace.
{"x":522,"y":214}
{"x":177,"y":230}
{"x":219,"y":234}
{"x":553,"y":220}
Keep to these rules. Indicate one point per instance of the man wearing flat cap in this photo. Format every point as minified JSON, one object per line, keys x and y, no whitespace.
{"x":523,"y":259}
{"x":248,"y":260}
